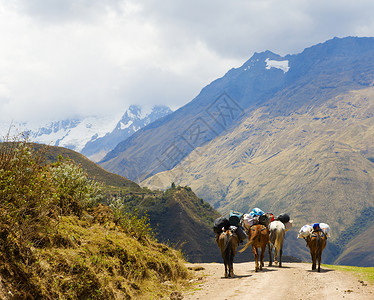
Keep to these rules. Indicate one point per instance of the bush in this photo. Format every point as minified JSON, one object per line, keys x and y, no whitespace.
{"x":136,"y":225}
{"x":26,"y":189}
{"x":74,"y":190}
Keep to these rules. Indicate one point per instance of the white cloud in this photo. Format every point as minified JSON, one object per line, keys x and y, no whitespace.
{"x":84,"y":57}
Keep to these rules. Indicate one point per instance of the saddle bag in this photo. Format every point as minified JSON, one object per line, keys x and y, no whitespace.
{"x":264,"y":220}
{"x":220,"y":223}
{"x":249,"y":221}
{"x":305,"y":231}
{"x":234,"y":218}
{"x":256,"y":212}
{"x":284,"y":218}
{"x":241,"y":233}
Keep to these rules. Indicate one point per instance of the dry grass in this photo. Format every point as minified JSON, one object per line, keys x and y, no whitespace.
{"x":92,"y":261}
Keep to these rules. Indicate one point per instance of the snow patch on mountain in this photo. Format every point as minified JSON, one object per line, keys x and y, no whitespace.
{"x":278,"y":64}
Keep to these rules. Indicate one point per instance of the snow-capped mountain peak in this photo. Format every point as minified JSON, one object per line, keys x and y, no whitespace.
{"x":93,"y":136}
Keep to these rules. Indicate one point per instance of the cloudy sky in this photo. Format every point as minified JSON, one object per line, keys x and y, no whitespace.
{"x":69,"y":58}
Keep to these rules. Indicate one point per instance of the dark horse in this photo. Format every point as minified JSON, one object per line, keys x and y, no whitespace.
{"x":228,"y":242}
{"x":316,"y":243}
{"x":258,"y":237}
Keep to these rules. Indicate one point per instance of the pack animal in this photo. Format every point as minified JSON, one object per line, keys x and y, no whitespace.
{"x":228,"y":241}
{"x":258,"y":237}
{"x":276,"y":236}
{"x":316,"y":243}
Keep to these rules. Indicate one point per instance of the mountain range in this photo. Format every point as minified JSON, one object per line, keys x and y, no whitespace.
{"x":290,"y":134}
{"x":92,"y":136}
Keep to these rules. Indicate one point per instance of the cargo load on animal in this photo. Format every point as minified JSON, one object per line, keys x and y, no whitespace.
{"x":315,"y":236}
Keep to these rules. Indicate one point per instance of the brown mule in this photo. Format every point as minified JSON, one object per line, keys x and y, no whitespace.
{"x":258,"y":237}
{"x":228,"y":241}
{"x":316,"y":243}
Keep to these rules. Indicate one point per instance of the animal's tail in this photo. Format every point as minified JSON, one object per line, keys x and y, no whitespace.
{"x":279,"y":240}
{"x":251,"y":240}
{"x":319,"y":243}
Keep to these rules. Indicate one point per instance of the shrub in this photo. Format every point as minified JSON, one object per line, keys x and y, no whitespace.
{"x":26,"y":191}
{"x":75,"y":191}
{"x":135,"y":224}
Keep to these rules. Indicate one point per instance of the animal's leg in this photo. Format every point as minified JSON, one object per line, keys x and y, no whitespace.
{"x":231,"y":271}
{"x":270,"y":248}
{"x":275,"y":255}
{"x":314,"y":258}
{"x":262,"y":257}
{"x":280,"y":257}
{"x":255,"y":253}
{"x":319,"y":261}
{"x":231,"y":267}
{"x":225,"y":263}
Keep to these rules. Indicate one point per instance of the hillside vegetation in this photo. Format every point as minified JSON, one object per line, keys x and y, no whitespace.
{"x":177,"y":216}
{"x":58,"y":242}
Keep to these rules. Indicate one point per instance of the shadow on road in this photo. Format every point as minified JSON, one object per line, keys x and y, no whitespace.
{"x":322,"y":270}
{"x":282,"y":267}
{"x":237,"y":276}
{"x":264,"y":270}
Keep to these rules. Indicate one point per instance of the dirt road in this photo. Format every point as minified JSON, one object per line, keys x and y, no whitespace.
{"x":292,"y":281}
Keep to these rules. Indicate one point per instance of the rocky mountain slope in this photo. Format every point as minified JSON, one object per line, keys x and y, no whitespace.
{"x":316,"y":165}
{"x":287,"y":134}
{"x":267,"y":79}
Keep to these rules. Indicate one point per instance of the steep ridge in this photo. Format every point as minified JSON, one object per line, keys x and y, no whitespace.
{"x":315,"y":163}
{"x":280,"y":84}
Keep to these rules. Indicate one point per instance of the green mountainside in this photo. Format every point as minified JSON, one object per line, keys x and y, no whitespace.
{"x":94,"y":170}
{"x":315,"y":163}
{"x":57,"y":241}
{"x":177,"y":216}
{"x":181,"y":218}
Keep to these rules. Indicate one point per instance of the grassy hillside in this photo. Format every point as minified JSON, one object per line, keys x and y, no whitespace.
{"x":182,"y":219}
{"x":83,"y":259}
{"x":58,"y":242}
{"x":177,"y":216}
{"x":315,"y":163}
{"x":94,"y":170}
{"x":359,"y":251}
